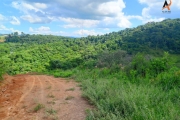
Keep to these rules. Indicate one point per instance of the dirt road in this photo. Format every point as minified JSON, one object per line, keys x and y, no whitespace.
{"x":41,"y":97}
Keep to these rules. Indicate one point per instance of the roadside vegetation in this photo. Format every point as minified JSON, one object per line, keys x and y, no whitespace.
{"x":140,"y":91}
{"x":132,"y":74}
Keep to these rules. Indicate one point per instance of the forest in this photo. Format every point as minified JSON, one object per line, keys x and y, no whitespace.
{"x":129,"y":74}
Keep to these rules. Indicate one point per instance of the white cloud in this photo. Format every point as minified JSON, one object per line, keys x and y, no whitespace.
{"x":77,"y":33}
{"x":36,"y":19}
{"x":176,"y":3}
{"x":40,"y":5}
{"x":31,"y":19}
{"x":106,"y":29}
{"x":40,"y":30}
{"x":135,"y":17}
{"x":149,"y":2}
{"x":87,"y":14}
{"x":2,"y":27}
{"x":31,"y":29}
{"x":34,"y":13}
{"x":110,"y":8}
{"x":84,"y":32}
{"x":2,"y":17}
{"x":62,"y":33}
{"x":145,"y":12}
{"x":15,"y":21}
{"x":108,"y":20}
{"x":47,"y":31}
{"x":124,"y":23}
{"x":25,"y":7}
{"x":153,"y":20}
{"x":5,"y":29}
{"x":78,"y":23}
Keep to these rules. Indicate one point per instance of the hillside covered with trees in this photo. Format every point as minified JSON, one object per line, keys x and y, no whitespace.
{"x":129,"y":74}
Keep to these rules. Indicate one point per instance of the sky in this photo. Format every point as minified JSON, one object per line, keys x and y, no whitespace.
{"x":78,"y":18}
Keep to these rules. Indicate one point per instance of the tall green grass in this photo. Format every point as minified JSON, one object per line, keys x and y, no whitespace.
{"x":60,"y":73}
{"x":116,"y":97}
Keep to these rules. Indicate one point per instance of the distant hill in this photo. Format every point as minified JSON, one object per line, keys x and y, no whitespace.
{"x":153,"y":36}
{"x":163,"y":35}
{"x":3,"y":34}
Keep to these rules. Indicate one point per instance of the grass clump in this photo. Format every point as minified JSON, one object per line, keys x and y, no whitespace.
{"x":38,"y":107}
{"x":51,"y":102}
{"x":49,"y":87}
{"x":70,"y":89}
{"x":51,"y":111}
{"x":50,"y":96}
{"x":60,"y":73}
{"x":69,"y":97}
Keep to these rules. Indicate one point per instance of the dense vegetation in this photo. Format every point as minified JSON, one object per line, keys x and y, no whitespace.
{"x":130,"y":74}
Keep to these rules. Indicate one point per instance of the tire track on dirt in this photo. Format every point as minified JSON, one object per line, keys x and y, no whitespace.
{"x":57,"y":82}
{"x":41,"y":89}
{"x":3,"y":89}
{"x":13,"y":108}
{"x":69,"y":99}
{"x":46,"y":78}
{"x":32,"y":86}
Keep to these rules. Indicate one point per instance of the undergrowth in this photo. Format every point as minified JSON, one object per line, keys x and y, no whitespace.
{"x":117,"y":97}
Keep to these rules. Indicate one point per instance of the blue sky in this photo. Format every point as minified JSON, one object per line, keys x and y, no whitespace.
{"x":80,"y":17}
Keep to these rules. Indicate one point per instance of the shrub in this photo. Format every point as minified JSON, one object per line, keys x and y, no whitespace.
{"x":138,"y":67}
{"x":159,"y":65}
{"x":147,"y":66}
{"x":108,"y":59}
{"x":54,"y":64}
{"x":90,"y":64}
{"x":169,"y":80}
{"x":57,"y":64}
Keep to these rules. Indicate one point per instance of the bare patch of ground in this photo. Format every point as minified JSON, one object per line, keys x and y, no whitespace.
{"x":41,"y":97}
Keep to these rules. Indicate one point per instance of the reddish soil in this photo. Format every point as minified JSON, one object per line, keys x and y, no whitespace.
{"x":41,"y":97}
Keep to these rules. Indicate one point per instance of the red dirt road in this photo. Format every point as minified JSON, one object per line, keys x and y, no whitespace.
{"x":41,"y":97}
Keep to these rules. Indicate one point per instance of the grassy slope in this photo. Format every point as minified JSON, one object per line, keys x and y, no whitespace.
{"x":116,"y":97}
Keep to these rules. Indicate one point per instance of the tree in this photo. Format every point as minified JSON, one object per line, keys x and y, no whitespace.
{"x":15,"y":33}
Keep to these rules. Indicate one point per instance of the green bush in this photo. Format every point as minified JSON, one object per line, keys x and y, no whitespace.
{"x":57,"y":64}
{"x":109,"y":59}
{"x":169,"y":80}
{"x":147,"y":66}
{"x":139,"y":66}
{"x":90,"y":64}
